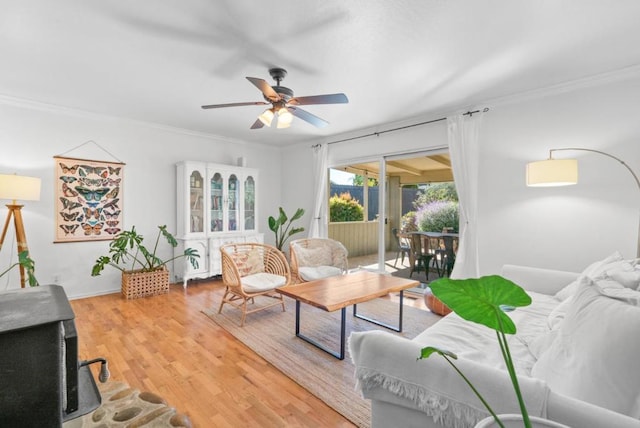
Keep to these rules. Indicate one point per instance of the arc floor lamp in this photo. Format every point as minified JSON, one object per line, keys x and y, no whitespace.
{"x":14,"y":188}
{"x":564,"y":172}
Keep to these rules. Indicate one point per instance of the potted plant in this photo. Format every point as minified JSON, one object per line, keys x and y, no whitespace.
{"x":281,"y":226}
{"x":143,"y":272}
{"x":485,"y":301}
{"x":26,"y":263}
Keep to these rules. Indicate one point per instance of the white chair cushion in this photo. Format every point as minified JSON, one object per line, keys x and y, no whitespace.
{"x":318,"y":272}
{"x":594,"y":356}
{"x":262,"y":281}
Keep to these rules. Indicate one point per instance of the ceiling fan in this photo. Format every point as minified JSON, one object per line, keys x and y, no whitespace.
{"x":283,"y":103}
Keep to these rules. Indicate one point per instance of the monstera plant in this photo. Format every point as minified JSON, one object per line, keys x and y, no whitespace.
{"x":127,"y":252}
{"x":25,"y":262}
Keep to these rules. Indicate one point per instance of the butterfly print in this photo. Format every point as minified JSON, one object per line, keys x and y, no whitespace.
{"x":68,"y":178}
{"x":68,"y":169}
{"x":92,"y":229}
{"x":69,"y":205}
{"x":112,"y":230}
{"x":92,"y":194}
{"x":69,"y":228}
{"x":94,"y":182}
{"x":68,"y":191}
{"x":114,"y":214}
{"x":98,"y":170}
{"x":115,"y":171}
{"x":112,"y":182}
{"x":83,"y":201}
{"x":69,"y":216}
{"x":92,"y":212}
{"x":113,"y":193}
{"x":112,"y":204}
{"x":112,"y":223}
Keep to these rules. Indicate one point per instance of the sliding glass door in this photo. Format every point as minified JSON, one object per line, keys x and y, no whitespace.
{"x":387,"y":192}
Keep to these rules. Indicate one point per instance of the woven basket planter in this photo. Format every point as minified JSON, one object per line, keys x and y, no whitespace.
{"x":137,"y":284}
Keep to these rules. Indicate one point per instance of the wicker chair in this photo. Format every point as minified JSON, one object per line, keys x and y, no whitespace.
{"x":250,"y":270}
{"x":316,"y":258}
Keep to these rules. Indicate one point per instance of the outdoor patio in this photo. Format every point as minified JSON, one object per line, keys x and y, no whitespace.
{"x":401,"y":269}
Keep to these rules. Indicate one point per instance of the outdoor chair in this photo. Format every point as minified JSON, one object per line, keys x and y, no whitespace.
{"x":250,"y":270}
{"x":402,"y":245}
{"x":316,"y":258}
{"x":423,"y":253}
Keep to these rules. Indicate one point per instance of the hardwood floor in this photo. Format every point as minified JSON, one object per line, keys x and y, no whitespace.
{"x":165,"y":345}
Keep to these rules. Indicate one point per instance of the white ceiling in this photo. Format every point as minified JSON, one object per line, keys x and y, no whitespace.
{"x":160,"y":60}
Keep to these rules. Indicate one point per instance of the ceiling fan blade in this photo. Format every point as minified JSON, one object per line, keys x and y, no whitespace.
{"x":250,"y":103}
{"x":257,"y":124}
{"x":265,"y":88}
{"x":306,"y":116}
{"x":320,"y":99}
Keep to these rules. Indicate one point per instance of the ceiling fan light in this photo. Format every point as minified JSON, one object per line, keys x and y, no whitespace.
{"x":284,"y":118}
{"x":266,"y":117}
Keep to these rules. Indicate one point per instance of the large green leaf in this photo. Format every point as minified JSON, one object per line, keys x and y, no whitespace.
{"x":283,"y":216}
{"x":273,"y":224}
{"x":299,"y":213}
{"x":480,"y":299}
{"x":171,"y":240}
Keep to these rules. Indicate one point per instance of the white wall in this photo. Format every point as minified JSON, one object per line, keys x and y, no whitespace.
{"x":31,"y":134}
{"x":562,"y":228}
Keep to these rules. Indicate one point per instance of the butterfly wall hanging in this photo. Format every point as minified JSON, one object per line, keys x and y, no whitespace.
{"x":88,"y":199}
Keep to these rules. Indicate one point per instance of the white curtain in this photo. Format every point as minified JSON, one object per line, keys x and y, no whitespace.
{"x":318,"y":227}
{"x":464,"y":152}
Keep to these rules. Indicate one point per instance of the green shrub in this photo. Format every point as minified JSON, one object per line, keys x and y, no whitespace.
{"x":345,"y":208}
{"x":436,"y":192}
{"x":435,"y":216}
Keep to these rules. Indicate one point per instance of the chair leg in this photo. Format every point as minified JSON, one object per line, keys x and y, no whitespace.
{"x":224,"y":300}
{"x":244,"y":312}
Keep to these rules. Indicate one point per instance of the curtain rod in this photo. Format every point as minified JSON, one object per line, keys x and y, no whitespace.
{"x":377,"y":134}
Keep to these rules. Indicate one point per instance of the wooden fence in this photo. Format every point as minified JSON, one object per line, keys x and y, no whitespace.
{"x":360,"y":237}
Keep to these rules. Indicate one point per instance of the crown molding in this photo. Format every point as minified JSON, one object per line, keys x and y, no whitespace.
{"x":57,"y":109}
{"x":595,"y":80}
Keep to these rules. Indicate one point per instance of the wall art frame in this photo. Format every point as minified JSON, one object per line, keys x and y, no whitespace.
{"x":88,"y":199}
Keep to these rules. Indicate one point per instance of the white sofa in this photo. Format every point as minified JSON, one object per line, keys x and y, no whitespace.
{"x":555,"y":379}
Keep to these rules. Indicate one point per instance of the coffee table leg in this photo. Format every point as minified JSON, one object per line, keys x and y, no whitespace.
{"x":343,"y":333}
{"x":381,"y":324}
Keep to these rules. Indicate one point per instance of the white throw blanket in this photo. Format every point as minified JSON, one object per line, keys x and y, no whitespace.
{"x":390,"y":362}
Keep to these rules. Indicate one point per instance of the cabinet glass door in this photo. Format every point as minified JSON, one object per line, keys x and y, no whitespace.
{"x":217,"y":204}
{"x":249,"y":203}
{"x":196,"y":203}
{"x":233,"y":202}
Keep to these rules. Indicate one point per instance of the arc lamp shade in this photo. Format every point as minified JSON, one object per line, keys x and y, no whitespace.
{"x":552,"y":172}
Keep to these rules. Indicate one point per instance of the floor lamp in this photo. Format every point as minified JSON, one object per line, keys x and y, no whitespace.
{"x":564,"y":172}
{"x":14,"y":188}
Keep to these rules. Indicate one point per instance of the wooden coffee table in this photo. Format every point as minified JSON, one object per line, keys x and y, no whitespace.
{"x":338,"y":292}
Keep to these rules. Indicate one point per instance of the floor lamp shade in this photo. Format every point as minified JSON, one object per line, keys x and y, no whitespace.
{"x":552,"y":172}
{"x":18,"y":187}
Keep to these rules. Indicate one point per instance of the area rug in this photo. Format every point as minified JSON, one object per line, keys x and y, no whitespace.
{"x":271,"y":334}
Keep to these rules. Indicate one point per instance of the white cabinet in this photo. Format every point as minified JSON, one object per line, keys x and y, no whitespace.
{"x":216,"y":205}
